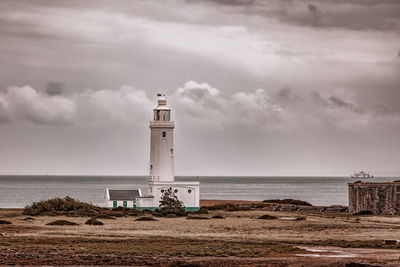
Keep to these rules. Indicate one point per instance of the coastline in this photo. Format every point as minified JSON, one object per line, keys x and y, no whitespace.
{"x":329,"y":238}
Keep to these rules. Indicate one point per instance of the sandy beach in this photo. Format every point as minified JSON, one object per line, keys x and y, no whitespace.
{"x":296,"y":238}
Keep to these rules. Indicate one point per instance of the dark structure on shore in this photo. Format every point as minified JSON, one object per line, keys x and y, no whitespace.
{"x":377,"y":198}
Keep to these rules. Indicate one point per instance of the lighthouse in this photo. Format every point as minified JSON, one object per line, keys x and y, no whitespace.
{"x":161,"y":173}
{"x":162,"y":143}
{"x":161,"y":165}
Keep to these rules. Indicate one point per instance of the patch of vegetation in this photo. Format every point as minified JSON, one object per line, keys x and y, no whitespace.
{"x":363,"y":212}
{"x":93,"y":221}
{"x":148,"y":219}
{"x":202,"y":210}
{"x":149,"y":247}
{"x":267,"y":217}
{"x":56,"y":205}
{"x":11,"y":215}
{"x":198,"y":218}
{"x":346,"y":243}
{"x":5,"y":222}
{"x":288,"y":201}
{"x":28,"y":219}
{"x":227,"y":207}
{"x":74,"y":208}
{"x":217,"y":217}
{"x":62,"y":222}
{"x":170,"y":204}
{"x":105,"y":217}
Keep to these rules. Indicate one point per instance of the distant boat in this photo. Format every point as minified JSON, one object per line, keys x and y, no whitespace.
{"x":361,"y":174}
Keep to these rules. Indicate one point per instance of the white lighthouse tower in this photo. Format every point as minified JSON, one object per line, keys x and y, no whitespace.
{"x":161,"y":176}
{"x":162,"y":143}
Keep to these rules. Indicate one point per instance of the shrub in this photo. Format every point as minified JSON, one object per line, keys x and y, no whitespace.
{"x":62,"y":222}
{"x":267,"y":217}
{"x":202,"y":210}
{"x":217,"y":217}
{"x":288,"y":201}
{"x":170,"y":204}
{"x":93,"y":221}
{"x":197,"y":218}
{"x":66,"y":204}
{"x":4,"y":222}
{"x":145,"y":219}
{"x":363,"y":212}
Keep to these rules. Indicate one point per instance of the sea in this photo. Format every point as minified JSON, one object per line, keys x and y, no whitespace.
{"x":19,"y":191}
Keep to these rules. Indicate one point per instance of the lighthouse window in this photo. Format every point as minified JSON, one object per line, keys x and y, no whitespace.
{"x":166,"y":115}
{"x":164,"y":134}
{"x":172,"y":151}
{"x":158,"y":115}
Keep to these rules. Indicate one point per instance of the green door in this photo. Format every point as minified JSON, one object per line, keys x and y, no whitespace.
{"x":114,"y":204}
{"x":125,"y":204}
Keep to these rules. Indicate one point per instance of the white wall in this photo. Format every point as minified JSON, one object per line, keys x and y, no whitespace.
{"x":145,"y":202}
{"x":191,"y":199}
{"x":120,"y":203}
{"x":161,"y":157}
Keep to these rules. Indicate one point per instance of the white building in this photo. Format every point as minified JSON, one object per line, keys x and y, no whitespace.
{"x":162,"y":163}
{"x":161,"y":168}
{"x":121,"y":198}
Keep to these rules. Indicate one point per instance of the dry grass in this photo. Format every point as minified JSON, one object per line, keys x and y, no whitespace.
{"x":151,"y":246}
{"x":240,"y":234}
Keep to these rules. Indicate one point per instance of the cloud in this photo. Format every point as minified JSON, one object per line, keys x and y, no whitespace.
{"x":195,"y":105}
{"x":89,"y":107}
{"x":347,"y":104}
{"x":27,"y":104}
{"x":229,"y":2}
{"x":55,"y":88}
{"x":315,"y":13}
{"x":275,"y":110}
{"x":344,"y":14}
{"x":196,"y":92}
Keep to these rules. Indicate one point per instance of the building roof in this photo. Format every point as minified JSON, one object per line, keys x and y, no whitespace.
{"x":124,"y":194}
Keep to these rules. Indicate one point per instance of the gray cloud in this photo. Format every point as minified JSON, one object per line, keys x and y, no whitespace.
{"x":55,"y":88}
{"x":352,"y":15}
{"x":245,"y":51}
{"x":200,"y":101}
{"x":87,"y":108}
{"x":229,"y":2}
{"x":342,"y":103}
{"x":314,"y":11}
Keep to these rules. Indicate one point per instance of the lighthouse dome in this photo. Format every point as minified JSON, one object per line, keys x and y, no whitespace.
{"x":162,"y":101}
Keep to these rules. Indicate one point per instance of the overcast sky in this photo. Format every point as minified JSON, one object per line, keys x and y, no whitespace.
{"x":277,"y":87}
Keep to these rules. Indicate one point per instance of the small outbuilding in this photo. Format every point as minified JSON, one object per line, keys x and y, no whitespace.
{"x":122,"y":198}
{"x":377,"y":198}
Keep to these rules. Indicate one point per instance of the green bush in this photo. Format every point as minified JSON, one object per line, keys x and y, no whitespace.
{"x":55,"y":205}
{"x":170,"y":204}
